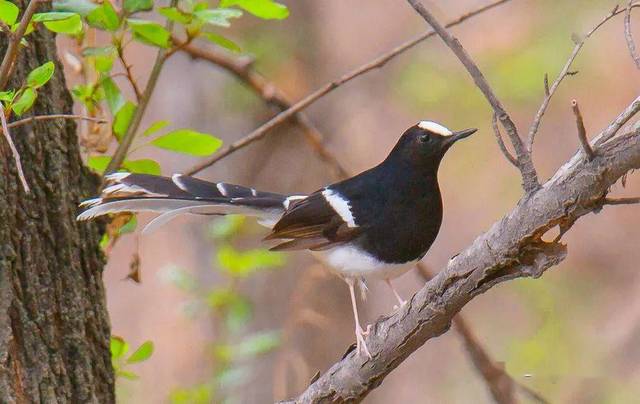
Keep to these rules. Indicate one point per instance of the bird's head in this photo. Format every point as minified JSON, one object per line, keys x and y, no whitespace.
{"x":425,"y":143}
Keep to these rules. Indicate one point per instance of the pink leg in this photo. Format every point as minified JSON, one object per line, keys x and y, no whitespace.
{"x":361,"y":346}
{"x":401,"y":301}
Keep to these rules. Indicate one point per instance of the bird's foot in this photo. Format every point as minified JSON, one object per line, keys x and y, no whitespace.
{"x":401,"y":304}
{"x":367,"y":331}
{"x":361,"y":345}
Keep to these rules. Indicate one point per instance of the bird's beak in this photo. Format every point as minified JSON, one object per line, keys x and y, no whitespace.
{"x":461,"y":134}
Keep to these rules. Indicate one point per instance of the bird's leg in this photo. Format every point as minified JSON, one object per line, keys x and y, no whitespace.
{"x":401,"y":301}
{"x":361,"y":346}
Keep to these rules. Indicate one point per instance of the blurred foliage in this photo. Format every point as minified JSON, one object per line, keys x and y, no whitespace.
{"x":230,"y":310}
{"x":119,"y":349}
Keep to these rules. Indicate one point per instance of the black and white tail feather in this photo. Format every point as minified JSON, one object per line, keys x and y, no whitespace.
{"x":181,"y":194}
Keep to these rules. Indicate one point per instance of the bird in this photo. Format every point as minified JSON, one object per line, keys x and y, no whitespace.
{"x":375,"y":225}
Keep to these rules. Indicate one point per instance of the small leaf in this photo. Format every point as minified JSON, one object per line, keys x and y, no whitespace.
{"x":265,"y":9}
{"x":7,"y":96}
{"x":141,"y":354}
{"x":52,"y":16}
{"x":218,"y":16}
{"x":149,"y":32}
{"x":104,"y":64}
{"x":222,"y":41}
{"x":242,"y":264}
{"x":123,"y":119}
{"x":156,"y":126}
{"x":60,"y":22}
{"x":40,"y":75}
{"x":133,"y":6}
{"x":104,"y":17}
{"x":25,"y":101}
{"x":129,"y":227}
{"x":118,"y":346}
{"x":173,"y":14}
{"x":142,"y":166}
{"x":103,"y":57}
{"x":82,"y":7}
{"x":112,"y":94}
{"x":127,"y":374}
{"x":99,"y":51}
{"x":98,"y":163}
{"x":189,"y":142}
{"x":8,"y":12}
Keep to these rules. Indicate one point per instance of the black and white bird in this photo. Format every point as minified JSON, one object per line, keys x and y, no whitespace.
{"x":375,"y":225}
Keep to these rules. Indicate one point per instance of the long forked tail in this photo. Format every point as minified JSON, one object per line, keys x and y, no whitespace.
{"x":126,"y":192}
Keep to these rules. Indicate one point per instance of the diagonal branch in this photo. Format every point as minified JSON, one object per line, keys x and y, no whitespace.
{"x":525,"y":164}
{"x":629,"y":36}
{"x":14,"y":151}
{"x":284,"y":116}
{"x":550,"y":91}
{"x":511,"y":248}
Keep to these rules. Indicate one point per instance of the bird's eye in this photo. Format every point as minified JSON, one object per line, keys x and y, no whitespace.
{"x":424,"y":138}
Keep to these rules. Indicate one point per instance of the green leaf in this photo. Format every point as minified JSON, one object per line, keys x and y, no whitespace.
{"x":188,"y":141}
{"x":173,"y":14}
{"x":257,"y":344}
{"x":104,"y":17}
{"x":25,"y":102}
{"x":156,"y":126}
{"x":8,"y":12}
{"x":142,"y":166}
{"x":52,"y":16}
{"x":133,"y":6}
{"x":40,"y":75}
{"x":141,"y":354}
{"x":242,"y":264}
{"x":60,"y":22}
{"x":112,"y":94}
{"x":127,"y":374}
{"x":265,"y":9}
{"x":222,"y":41}
{"x":7,"y":96}
{"x":129,"y":227}
{"x":82,"y":7}
{"x":99,"y":51}
{"x":123,"y":118}
{"x":98,"y":163}
{"x":118,"y":346}
{"x":149,"y":32}
{"x":103,"y":57}
{"x":218,"y":16}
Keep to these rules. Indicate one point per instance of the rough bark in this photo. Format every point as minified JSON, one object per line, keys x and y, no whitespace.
{"x":54,"y":327}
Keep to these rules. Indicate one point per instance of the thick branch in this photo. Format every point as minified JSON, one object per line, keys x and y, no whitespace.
{"x":378,"y":62}
{"x":525,"y":165}
{"x":512,"y":248}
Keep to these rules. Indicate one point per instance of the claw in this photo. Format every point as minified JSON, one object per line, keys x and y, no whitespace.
{"x":361,"y":345}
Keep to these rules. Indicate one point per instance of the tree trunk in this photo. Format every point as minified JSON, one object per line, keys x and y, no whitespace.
{"x":54,"y":327}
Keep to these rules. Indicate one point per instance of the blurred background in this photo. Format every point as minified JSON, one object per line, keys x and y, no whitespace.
{"x":231,"y":323}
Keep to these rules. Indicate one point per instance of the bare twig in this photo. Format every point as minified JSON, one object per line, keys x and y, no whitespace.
{"x":582,"y":132}
{"x":579,"y":43}
{"x":14,"y":43}
{"x":54,"y":116}
{"x":546,"y":85}
{"x":621,"y":201}
{"x":129,"y":75}
{"x":14,"y":151}
{"x":378,"y":62}
{"x":618,"y":123}
{"x":268,"y":91}
{"x":124,"y":145}
{"x":525,"y":164}
{"x":503,"y":147}
{"x":629,"y":36}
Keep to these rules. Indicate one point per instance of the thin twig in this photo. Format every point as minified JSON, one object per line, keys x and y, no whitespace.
{"x":14,"y":151}
{"x":629,"y":36}
{"x":546,"y":85}
{"x":619,"y":122}
{"x":129,"y":75}
{"x":582,"y":132}
{"x":378,"y":62}
{"x":268,"y":91}
{"x":54,"y":116}
{"x":503,"y":147}
{"x":124,"y":145}
{"x":579,"y":43}
{"x":621,"y":201}
{"x":525,"y":164}
{"x":14,"y":43}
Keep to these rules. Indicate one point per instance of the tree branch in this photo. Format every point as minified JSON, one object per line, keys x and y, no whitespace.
{"x":525,"y":164}
{"x":14,"y":43}
{"x":14,"y":151}
{"x":629,"y":36}
{"x":282,"y":117}
{"x":579,"y":43}
{"x":34,"y":118}
{"x":582,"y":132}
{"x":124,"y":145}
{"x":621,"y":201}
{"x":129,"y":75}
{"x":512,"y":248}
{"x":503,"y":147}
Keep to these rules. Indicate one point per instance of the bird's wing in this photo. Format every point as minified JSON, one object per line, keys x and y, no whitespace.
{"x":320,"y":221}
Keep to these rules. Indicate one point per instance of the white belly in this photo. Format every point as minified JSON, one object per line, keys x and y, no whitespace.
{"x":352,"y":262}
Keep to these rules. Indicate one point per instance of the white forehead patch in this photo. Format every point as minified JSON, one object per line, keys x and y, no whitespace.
{"x":435,"y":128}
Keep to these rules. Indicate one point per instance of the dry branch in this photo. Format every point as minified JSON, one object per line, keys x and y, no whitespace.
{"x":582,"y":132}
{"x":629,"y":36}
{"x":284,"y":116}
{"x":523,"y":157}
{"x":35,"y":118}
{"x":14,"y":151}
{"x":503,"y":147}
